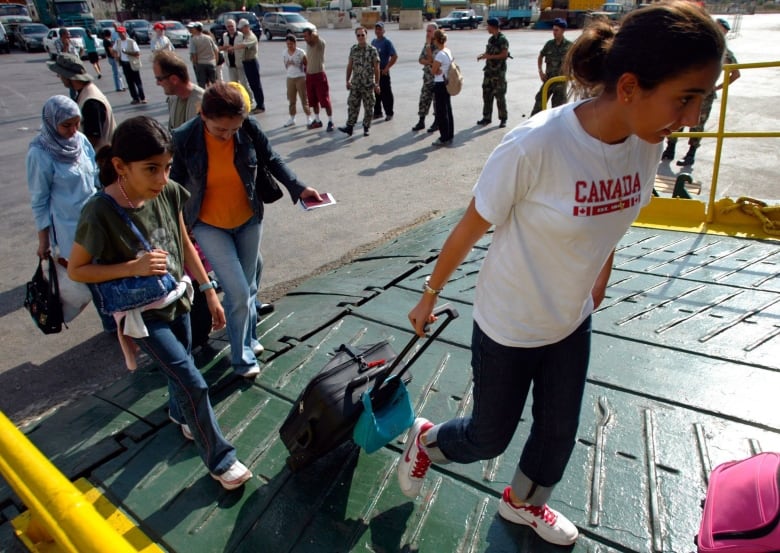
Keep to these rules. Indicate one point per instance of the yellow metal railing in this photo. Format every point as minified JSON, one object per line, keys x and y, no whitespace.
{"x":59,"y":512}
{"x":721,"y":134}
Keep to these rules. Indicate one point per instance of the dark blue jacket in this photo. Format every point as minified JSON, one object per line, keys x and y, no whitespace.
{"x":190,"y":164}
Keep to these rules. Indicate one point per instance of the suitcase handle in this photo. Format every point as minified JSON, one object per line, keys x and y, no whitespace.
{"x":446,"y":309}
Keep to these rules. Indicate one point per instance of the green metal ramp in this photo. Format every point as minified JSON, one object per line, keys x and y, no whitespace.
{"x":684,"y":375}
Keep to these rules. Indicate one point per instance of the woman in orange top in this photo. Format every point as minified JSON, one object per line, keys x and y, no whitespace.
{"x":225,"y":212}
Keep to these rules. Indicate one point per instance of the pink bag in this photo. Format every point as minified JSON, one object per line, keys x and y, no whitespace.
{"x":742,"y":507}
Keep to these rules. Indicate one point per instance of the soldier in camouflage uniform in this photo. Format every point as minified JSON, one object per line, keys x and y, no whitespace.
{"x":494,"y":80}
{"x":426,"y":92}
{"x":362,"y":82}
{"x":706,"y":107}
{"x":553,"y":53}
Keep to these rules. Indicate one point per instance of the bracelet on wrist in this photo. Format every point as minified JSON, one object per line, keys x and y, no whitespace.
{"x":210,"y":285}
{"x":432,"y":291}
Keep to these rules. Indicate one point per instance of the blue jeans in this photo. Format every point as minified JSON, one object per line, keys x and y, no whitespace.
{"x":168,"y":344}
{"x":118,"y":83}
{"x":234,"y":256}
{"x":502,"y":378}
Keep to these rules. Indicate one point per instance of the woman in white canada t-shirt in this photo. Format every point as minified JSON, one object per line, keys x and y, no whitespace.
{"x":560,"y":191}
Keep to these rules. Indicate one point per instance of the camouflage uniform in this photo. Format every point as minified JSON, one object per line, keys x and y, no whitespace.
{"x":494,"y":80}
{"x":426,"y":92}
{"x":706,"y":107}
{"x":553,"y":57}
{"x":362,"y":83}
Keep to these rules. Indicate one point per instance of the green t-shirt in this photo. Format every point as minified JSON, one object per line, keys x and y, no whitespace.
{"x":108,"y":239}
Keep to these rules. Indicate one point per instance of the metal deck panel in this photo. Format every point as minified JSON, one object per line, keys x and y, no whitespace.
{"x":683,"y":375}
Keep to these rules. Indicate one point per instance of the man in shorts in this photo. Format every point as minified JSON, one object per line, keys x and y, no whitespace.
{"x":317,"y":88}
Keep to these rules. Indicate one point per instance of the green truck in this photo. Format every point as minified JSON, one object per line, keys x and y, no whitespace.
{"x":65,"y":13}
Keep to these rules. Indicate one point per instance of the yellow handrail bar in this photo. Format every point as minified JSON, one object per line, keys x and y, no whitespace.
{"x":727,"y":69}
{"x":546,"y":87}
{"x":58,"y":507}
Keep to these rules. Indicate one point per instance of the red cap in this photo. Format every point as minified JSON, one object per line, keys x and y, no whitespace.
{"x":121,"y":29}
{"x":159,"y":25}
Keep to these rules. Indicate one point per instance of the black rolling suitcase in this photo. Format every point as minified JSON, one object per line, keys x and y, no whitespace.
{"x":325,"y":413}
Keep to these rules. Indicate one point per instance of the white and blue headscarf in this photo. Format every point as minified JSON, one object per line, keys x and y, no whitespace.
{"x":56,"y":111}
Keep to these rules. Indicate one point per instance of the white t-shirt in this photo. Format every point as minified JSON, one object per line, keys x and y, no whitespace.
{"x":160,"y":42}
{"x":560,"y":201}
{"x":444,"y":57}
{"x":127,"y":45}
{"x":294,"y":63}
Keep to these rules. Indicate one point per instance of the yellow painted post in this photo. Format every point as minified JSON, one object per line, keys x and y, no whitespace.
{"x":546,"y":88}
{"x":719,"y":142}
{"x":57,"y":506}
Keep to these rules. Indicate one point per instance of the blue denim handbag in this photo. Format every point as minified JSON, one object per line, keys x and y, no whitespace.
{"x":124,"y":294}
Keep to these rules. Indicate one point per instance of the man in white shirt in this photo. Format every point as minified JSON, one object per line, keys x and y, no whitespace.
{"x":231,"y":37}
{"x":126,"y":49}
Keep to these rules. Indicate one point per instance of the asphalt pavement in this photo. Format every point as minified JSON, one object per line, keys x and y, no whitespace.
{"x":384,"y":183}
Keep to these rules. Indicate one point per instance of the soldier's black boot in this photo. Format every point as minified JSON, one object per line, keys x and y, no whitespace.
{"x":688,"y":160}
{"x":669,"y":151}
{"x":346,"y":129}
{"x":420,"y":125}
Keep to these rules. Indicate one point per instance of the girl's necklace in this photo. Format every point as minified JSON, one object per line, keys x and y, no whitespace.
{"x":124,"y":193}
{"x":610,"y":174}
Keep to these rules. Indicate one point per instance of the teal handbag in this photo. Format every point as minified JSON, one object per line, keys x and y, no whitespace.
{"x":377,"y":428}
{"x":387,"y":410}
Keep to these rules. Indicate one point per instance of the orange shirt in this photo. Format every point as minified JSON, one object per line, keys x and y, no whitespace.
{"x":225,"y":204}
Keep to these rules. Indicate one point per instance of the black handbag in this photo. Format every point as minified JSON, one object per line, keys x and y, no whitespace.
{"x":43,"y":299}
{"x":265,"y":183}
{"x":266,"y":186}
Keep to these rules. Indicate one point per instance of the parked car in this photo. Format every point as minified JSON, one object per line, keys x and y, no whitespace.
{"x":110,"y":24}
{"x":284,"y":23}
{"x":218,"y":27}
{"x":460,"y":19}
{"x":176,"y":32}
{"x":140,"y":30}
{"x":5,"y":40}
{"x":77,"y":35}
{"x":29,"y":36}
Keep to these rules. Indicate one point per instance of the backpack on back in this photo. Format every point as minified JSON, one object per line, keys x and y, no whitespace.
{"x":454,"y":79}
{"x":742,"y":507}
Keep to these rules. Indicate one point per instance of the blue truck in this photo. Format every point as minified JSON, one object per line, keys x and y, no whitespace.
{"x":512,"y":14}
{"x":65,"y":13}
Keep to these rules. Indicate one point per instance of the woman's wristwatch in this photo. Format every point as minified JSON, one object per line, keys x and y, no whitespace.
{"x":432,"y":291}
{"x":208,"y":285}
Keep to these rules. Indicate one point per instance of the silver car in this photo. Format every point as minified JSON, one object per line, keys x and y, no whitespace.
{"x":284,"y":23}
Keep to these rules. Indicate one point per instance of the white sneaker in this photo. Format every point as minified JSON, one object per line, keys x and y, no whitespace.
{"x":250,"y":372}
{"x":234,"y":477}
{"x":548,"y":523}
{"x":258,"y":349}
{"x":290,"y":122}
{"x":414,"y":461}
{"x":185,"y":430}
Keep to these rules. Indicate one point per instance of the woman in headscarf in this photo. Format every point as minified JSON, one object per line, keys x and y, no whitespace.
{"x":61,"y":174}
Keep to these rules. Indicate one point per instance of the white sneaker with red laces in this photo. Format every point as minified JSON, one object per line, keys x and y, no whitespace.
{"x":414,"y":461}
{"x":234,"y":477}
{"x":551,"y":525}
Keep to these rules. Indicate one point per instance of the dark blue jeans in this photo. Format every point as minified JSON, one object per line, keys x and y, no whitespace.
{"x":169,"y":345}
{"x":502,"y":378}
